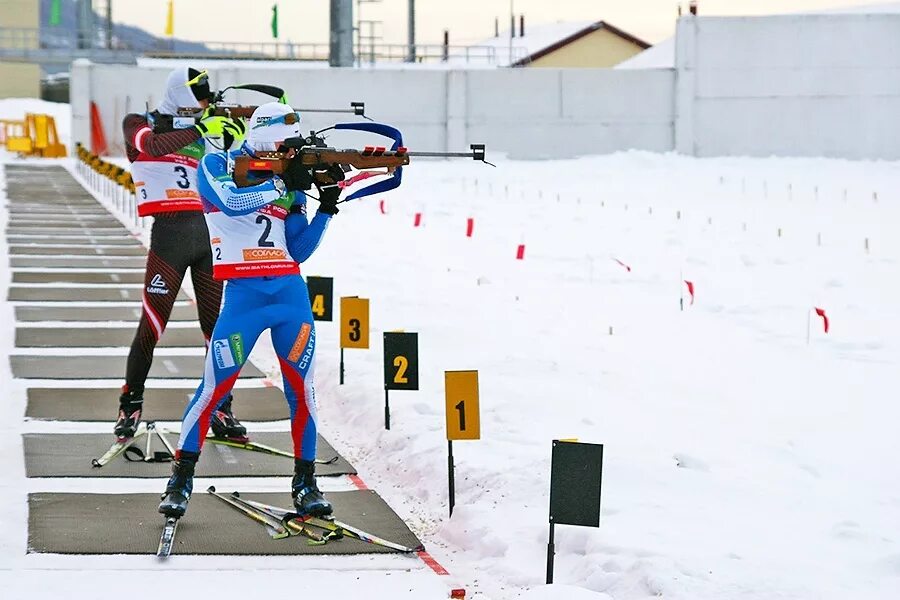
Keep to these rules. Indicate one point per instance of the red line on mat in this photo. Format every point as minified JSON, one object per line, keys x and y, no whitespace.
{"x":422,"y":554}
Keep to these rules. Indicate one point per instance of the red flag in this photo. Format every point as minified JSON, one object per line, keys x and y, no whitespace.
{"x":821,"y":313}
{"x":690,"y":286}
{"x":418,"y":220}
{"x":627,"y":268}
{"x":381,"y":207}
{"x":470,"y":226}
{"x":520,"y":252}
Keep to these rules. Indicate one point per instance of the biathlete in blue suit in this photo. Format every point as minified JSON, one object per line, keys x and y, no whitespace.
{"x":258,"y":236}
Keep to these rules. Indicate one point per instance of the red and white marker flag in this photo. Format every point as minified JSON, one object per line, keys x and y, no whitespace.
{"x":690,"y":288}
{"x":821,"y":313}
{"x":470,"y":226}
{"x":520,"y":252}
{"x":417,"y":221}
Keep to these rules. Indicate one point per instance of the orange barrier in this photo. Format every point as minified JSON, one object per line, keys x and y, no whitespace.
{"x":98,"y":138}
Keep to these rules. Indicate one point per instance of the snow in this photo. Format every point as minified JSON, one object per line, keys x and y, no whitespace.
{"x":741,"y":462}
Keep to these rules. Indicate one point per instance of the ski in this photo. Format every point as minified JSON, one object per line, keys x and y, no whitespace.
{"x":253,"y":446}
{"x":328,"y":524}
{"x":292,"y":527}
{"x":118,"y":447}
{"x":167,"y":539}
{"x":273,"y":526}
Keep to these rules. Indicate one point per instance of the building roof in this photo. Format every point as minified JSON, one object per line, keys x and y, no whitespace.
{"x":540,"y":40}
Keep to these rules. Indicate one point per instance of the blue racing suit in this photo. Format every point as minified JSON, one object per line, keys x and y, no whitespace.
{"x":258,"y":235}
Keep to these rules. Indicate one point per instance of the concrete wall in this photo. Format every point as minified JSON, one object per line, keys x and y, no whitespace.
{"x":552,"y":113}
{"x":807,"y":85}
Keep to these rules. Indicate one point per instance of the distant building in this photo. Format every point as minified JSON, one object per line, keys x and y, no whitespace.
{"x":20,"y":79}
{"x":564,"y":45}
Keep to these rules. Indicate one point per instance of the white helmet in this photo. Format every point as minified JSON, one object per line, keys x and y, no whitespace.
{"x":271,"y":124}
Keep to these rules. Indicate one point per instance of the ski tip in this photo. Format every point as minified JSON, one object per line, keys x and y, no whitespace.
{"x":211,"y":489}
{"x":95,"y":463}
{"x":236,"y":494}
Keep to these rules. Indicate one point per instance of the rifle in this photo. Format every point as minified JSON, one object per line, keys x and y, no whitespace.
{"x":315,"y":154}
{"x":235,"y":111}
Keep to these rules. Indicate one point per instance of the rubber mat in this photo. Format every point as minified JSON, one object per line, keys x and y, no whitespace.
{"x":110,"y":367}
{"x":78,"y":294}
{"x":160,"y":404}
{"x":181,"y":312}
{"x":98,"y":337}
{"x":70,"y":523}
{"x":105,"y":240}
{"x":33,"y":249}
{"x":94,"y":262}
{"x":70,"y":454}
{"x":69,"y":276}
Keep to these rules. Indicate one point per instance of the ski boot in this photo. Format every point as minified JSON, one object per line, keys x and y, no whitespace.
{"x":308,"y":500}
{"x":181,"y":484}
{"x":131,"y":403}
{"x":225,"y":425}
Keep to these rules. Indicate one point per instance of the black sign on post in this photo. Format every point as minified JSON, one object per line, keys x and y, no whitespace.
{"x":321,"y":297}
{"x":401,"y":366}
{"x":401,"y":361}
{"x":576,"y":474}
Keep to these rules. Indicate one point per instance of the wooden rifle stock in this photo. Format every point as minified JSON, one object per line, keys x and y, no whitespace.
{"x":317,"y":160}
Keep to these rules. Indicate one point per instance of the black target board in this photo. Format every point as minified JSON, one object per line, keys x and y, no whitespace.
{"x":575,"y":479}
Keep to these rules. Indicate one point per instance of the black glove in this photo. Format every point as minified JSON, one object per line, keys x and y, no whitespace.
{"x":328,"y":198}
{"x":297,"y":177}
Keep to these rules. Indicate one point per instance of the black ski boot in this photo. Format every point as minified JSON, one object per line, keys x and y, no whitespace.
{"x":181,"y":484}
{"x":308,"y":500}
{"x":131,"y":403}
{"x":225,"y":425}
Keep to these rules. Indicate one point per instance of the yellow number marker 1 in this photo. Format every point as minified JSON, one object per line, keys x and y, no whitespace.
{"x":463,"y":417}
{"x":354,"y":325}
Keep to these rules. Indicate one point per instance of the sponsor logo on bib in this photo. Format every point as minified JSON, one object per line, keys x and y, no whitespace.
{"x":222,"y":353}
{"x":157,"y":285}
{"x":251,"y":254}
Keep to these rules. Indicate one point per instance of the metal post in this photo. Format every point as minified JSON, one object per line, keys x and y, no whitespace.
{"x":551,"y":551}
{"x":341,"y":41}
{"x":342,"y":366}
{"x":446,"y":44}
{"x":109,"y":25}
{"x":411,"y":30}
{"x":387,"y":411}
{"x":450,"y":476}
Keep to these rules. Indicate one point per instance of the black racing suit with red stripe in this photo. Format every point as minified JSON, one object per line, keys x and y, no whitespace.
{"x":179,"y":237}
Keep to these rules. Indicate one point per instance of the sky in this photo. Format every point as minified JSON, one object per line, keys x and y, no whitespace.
{"x":467,"y":20}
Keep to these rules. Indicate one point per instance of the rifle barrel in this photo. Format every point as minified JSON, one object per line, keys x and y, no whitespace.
{"x":443,"y":154}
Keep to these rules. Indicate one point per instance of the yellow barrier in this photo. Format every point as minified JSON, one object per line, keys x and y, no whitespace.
{"x":35,"y":136}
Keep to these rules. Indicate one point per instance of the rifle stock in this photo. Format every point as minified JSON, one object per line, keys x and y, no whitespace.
{"x":317,"y":160}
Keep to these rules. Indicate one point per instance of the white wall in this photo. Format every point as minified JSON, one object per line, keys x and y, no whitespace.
{"x":805,"y":85}
{"x":523,"y":112}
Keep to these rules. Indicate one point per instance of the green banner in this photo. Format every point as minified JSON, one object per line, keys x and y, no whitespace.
{"x":55,"y":12}
{"x":275,"y":21}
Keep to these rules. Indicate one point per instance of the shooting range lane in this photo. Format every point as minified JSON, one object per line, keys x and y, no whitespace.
{"x":79,"y":294}
{"x":91,"y":262}
{"x":78,"y":277}
{"x":89,"y":524}
{"x":181,"y":312}
{"x":161,"y":404}
{"x":70,"y":454}
{"x":77,"y":250}
{"x":110,"y":367}
{"x":105,"y":337}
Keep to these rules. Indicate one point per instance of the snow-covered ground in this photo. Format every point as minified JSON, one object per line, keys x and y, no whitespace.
{"x":740,"y":460}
